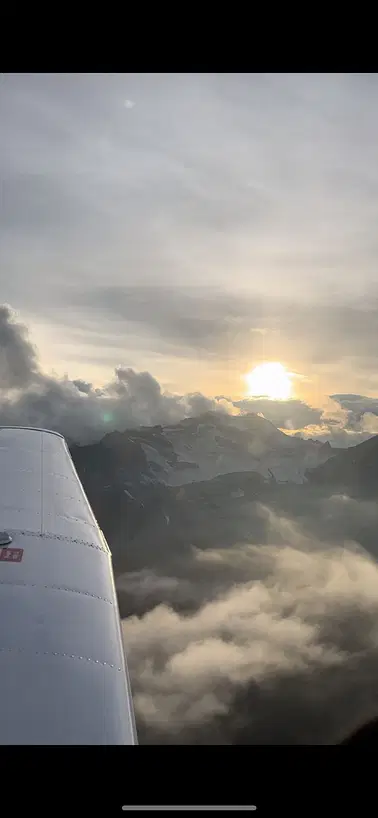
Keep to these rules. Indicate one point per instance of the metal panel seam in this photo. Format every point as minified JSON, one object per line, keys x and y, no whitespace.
{"x":56,"y":653}
{"x":49,"y":536}
{"x":56,"y":588}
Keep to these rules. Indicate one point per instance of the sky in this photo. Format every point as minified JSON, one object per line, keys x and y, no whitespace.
{"x":193,"y":226}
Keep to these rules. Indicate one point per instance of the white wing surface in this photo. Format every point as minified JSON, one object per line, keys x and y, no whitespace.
{"x":63,"y":674}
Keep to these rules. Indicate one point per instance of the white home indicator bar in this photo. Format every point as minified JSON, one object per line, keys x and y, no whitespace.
{"x":127,"y":807}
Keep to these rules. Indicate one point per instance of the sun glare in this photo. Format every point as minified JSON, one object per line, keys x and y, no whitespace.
{"x":269,"y":381}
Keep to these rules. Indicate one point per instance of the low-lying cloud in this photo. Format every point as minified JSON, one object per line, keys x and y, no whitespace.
{"x":283,"y":648}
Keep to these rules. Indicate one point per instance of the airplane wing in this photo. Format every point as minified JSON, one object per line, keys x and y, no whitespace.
{"x":63,"y":674}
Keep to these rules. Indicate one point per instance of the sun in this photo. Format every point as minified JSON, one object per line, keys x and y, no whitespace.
{"x":269,"y":381}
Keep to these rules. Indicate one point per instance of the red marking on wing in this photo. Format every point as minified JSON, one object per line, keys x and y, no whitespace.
{"x":11,"y":554}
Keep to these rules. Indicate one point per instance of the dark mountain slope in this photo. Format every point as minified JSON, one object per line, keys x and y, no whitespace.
{"x":353,"y":470}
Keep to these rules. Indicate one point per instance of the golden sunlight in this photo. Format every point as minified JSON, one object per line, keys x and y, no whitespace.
{"x":269,"y":380}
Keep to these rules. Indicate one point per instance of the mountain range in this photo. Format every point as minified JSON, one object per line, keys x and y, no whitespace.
{"x":159,"y":480}
{"x":160,"y":492}
{"x":198,"y":449}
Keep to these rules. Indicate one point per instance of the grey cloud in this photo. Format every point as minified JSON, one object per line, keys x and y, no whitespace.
{"x":337,"y":436}
{"x":288,"y":654}
{"x":83,"y":386}
{"x":207,"y":177}
{"x":346,"y":518}
{"x":356,"y":406}
{"x":75,"y":408}
{"x":347,"y":329}
{"x":210,"y":320}
{"x":18,"y":357}
{"x":332,"y":331}
{"x":286,"y":414}
{"x":144,"y":589}
{"x":202,"y":319}
{"x":84,"y":413}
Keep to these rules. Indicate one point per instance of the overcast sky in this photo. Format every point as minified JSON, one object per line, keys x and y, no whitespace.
{"x":194,"y":225}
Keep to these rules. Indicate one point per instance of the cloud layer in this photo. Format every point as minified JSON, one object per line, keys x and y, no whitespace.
{"x":121,"y":190}
{"x":76,"y":408}
{"x":285,"y":414}
{"x":282,"y":648}
{"x":215,"y":320}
